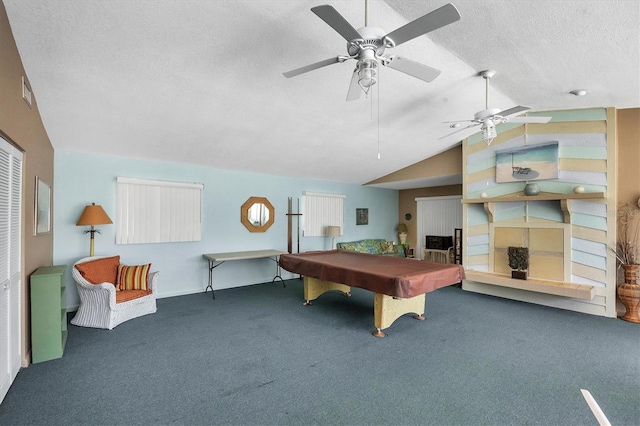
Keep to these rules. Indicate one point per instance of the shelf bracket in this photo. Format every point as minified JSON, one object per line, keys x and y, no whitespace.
{"x":489,"y":208}
{"x":565,"y":205}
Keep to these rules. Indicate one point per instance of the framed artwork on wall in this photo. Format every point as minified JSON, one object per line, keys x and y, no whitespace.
{"x":42,"y":223}
{"x":533,"y":162}
{"x":362,"y":216}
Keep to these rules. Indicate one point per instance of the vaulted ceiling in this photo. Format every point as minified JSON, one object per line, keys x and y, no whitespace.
{"x":201,"y":81}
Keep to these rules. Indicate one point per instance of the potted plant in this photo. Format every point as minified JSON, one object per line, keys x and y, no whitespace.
{"x":628,"y":255}
{"x":518,"y":262}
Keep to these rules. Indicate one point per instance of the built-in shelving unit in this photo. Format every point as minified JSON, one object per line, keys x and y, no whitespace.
{"x":48,"y":313}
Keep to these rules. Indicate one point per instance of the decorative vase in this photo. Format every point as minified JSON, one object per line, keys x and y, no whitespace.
{"x":629,"y":293}
{"x":531,"y":189}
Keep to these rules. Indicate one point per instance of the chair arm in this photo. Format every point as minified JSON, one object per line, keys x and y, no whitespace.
{"x":153,"y":281}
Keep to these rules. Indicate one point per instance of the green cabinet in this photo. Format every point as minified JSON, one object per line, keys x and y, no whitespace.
{"x":48,"y":313}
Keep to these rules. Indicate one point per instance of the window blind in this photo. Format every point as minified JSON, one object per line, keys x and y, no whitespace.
{"x":152,"y":211}
{"x":320,"y":211}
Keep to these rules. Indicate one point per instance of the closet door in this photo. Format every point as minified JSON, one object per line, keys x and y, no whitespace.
{"x":10,"y":214}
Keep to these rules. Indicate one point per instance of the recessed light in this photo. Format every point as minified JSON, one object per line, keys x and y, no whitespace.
{"x":579,"y":92}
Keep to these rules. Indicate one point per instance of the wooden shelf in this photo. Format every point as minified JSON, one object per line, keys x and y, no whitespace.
{"x":564,"y":199}
{"x":557,"y":288}
{"x":543,"y":196}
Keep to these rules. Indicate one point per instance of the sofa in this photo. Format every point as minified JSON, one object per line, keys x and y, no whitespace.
{"x":373,"y":246}
{"x":111,"y":292}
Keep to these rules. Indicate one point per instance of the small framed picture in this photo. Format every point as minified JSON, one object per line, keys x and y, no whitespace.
{"x":362,"y":216}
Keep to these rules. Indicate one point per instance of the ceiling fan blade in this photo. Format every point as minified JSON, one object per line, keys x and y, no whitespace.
{"x":460,"y":121}
{"x":462,"y":129}
{"x":445,"y":15}
{"x":513,"y":111}
{"x":354,"y":88}
{"x":412,"y":68}
{"x":314,"y":66}
{"x":336,"y":21}
{"x":530,"y":120}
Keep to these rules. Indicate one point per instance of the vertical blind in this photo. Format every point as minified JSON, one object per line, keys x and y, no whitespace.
{"x":320,"y":211}
{"x":437,"y":216}
{"x":10,"y":211}
{"x":151,"y":211}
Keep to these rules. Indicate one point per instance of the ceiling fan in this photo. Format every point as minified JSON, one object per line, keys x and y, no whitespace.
{"x":367,"y":45}
{"x":490,"y":117}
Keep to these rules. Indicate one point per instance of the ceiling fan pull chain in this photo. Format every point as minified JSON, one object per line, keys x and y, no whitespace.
{"x":378,"y":121}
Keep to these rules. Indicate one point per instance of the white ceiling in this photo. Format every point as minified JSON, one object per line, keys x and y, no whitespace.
{"x":201,"y":81}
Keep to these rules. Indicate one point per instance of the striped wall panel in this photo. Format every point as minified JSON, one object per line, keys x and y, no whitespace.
{"x":585,"y":159}
{"x":547,"y":210}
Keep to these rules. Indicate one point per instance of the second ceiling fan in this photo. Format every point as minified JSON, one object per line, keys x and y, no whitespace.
{"x":367,"y":45}
{"x":489,"y":118}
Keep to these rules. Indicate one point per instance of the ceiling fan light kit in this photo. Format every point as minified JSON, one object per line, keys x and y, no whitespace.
{"x":367,"y":46}
{"x":489,"y":118}
{"x":367,"y":70}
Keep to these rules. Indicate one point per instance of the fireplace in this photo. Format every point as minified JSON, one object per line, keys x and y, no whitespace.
{"x":546,"y":249}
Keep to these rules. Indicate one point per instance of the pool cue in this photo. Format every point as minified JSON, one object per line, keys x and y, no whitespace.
{"x":289,"y":224}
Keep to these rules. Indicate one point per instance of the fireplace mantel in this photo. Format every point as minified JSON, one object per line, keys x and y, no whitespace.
{"x":564,"y":199}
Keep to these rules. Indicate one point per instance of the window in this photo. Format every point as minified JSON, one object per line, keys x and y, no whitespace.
{"x":151,"y":211}
{"x":320,"y":211}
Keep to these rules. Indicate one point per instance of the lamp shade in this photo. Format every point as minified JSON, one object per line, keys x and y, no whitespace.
{"x":93,"y":215}
{"x":401,"y":227}
{"x":333,"y":231}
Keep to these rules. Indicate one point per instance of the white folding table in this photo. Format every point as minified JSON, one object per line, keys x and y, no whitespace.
{"x":217,"y":259}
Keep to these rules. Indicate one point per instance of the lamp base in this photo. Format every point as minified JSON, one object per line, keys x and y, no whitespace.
{"x":403,"y":237}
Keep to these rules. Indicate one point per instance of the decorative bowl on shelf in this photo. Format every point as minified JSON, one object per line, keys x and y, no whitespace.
{"x":531,"y":189}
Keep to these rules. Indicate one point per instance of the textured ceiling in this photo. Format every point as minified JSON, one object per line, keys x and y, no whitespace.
{"x":201,"y":81}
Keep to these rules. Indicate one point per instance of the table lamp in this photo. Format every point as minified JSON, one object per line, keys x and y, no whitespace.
{"x":333,"y":232}
{"x":402,"y":232}
{"x":91,"y":216}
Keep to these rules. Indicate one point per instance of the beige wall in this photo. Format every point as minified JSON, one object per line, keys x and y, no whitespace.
{"x":628,"y":153}
{"x":446,"y":163}
{"x":23,"y":127}
{"x":407,"y":204}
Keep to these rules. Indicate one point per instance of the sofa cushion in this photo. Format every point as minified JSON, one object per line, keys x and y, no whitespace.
{"x":388,"y":247}
{"x":133,"y":277}
{"x":372,"y":246}
{"x":126,"y":295}
{"x":100,"y":271}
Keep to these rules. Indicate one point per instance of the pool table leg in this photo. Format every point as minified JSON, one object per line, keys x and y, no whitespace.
{"x":314,"y":287}
{"x":387,"y":309}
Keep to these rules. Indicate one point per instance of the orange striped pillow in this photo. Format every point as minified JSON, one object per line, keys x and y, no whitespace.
{"x":133,"y":277}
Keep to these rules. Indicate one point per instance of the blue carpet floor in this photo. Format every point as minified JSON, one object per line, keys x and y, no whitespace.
{"x":256,"y":356}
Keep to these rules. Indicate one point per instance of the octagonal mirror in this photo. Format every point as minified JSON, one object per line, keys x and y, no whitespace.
{"x":257,"y":214}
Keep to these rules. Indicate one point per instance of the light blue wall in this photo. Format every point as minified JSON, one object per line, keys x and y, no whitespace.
{"x":81,"y":179}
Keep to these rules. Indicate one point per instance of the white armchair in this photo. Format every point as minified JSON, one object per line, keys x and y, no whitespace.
{"x":99,"y":307}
